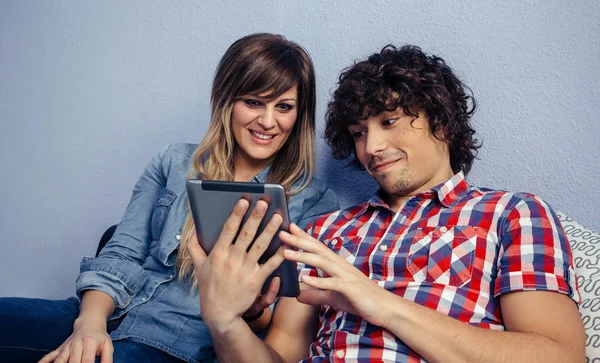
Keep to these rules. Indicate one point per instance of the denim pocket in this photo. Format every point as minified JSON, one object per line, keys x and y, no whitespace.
{"x":443,"y":255}
{"x":160,"y":212}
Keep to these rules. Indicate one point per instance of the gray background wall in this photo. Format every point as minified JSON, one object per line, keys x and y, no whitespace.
{"x":90,"y":91}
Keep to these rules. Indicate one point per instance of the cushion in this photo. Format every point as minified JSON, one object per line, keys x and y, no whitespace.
{"x":585,"y":244}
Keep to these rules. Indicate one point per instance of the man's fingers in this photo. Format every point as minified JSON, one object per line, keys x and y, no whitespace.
{"x":314,"y":297}
{"x":329,"y":265}
{"x":248,"y":231}
{"x":301,"y":240}
{"x":232,"y":225}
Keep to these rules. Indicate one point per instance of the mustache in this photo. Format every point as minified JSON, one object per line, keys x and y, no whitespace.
{"x":384,"y":157}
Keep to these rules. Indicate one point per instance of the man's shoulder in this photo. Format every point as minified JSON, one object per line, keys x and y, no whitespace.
{"x":504,"y":203}
{"x":490,"y":194}
{"x":337,"y":218}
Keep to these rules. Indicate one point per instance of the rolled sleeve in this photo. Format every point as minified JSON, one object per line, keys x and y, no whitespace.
{"x":121,"y":279}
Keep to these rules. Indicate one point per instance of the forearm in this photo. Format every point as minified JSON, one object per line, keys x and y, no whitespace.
{"x":437,"y":337}
{"x":239,"y":344}
{"x":96,"y":308}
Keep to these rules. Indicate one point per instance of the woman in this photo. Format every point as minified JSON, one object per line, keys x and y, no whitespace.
{"x":141,"y":288}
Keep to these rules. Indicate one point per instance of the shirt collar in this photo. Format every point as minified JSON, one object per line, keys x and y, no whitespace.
{"x":449,"y":191}
{"x":446,"y":193}
{"x":261,"y":177}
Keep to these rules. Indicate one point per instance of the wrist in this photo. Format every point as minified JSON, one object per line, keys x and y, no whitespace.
{"x":89,"y":320}
{"x":253,"y":317}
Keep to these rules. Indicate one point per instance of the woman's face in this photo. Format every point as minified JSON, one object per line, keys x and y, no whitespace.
{"x":262,"y":126}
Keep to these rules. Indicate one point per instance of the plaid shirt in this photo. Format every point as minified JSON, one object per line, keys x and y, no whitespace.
{"x":455,"y":249}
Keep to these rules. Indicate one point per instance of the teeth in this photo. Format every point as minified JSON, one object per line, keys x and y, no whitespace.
{"x":261,"y":136}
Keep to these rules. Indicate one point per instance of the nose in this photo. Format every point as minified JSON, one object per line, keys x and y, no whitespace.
{"x":267,"y":119}
{"x":376,"y":141}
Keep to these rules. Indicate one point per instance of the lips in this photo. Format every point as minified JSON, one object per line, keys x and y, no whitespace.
{"x":261,"y":136}
{"x":382,"y":165}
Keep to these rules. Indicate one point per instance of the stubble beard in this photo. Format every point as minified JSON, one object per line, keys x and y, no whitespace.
{"x":400,"y":183}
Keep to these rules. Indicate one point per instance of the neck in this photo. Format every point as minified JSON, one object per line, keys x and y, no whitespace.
{"x":396,"y":201}
{"x":246,"y":169}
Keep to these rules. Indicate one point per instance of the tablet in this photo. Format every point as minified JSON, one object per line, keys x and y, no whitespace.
{"x":212,"y":202}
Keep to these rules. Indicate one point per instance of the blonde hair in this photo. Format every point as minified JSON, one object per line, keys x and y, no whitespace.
{"x":255,"y":64}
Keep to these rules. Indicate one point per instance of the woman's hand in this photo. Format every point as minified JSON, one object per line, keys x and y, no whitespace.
{"x":89,"y":339}
{"x":230,"y":278}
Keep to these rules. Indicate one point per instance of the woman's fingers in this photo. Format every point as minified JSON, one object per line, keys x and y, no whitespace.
{"x":271,"y":295}
{"x":232,"y":225}
{"x":196,"y":251}
{"x":90,"y":350}
{"x":50,"y":356}
{"x":107,"y":352}
{"x":263,"y":241}
{"x":249,"y":229}
{"x":76,"y":351}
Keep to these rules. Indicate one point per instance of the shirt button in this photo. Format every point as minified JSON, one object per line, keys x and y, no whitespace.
{"x":444,"y":229}
{"x":143,"y":299}
{"x":334,"y":242}
{"x":178,"y":237}
{"x":402,"y":219}
{"x":171,"y":276}
{"x":383,"y":247}
{"x":340,"y":353}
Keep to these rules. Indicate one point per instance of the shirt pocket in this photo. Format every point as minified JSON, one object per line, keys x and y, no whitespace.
{"x":161,"y":211}
{"x":443,"y":255}
{"x":345,"y":247}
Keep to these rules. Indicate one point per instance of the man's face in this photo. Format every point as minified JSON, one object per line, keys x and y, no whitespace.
{"x":401,"y":153}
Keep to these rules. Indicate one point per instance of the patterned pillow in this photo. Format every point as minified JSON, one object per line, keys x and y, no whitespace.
{"x":586,"y":256}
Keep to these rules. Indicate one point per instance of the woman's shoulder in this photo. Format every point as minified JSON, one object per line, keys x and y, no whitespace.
{"x":174,"y":159}
{"x":315,"y":185}
{"x":180,"y":149}
{"x":317,"y":191}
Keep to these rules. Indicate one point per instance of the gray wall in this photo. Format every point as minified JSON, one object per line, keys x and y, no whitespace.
{"x":90,"y":91}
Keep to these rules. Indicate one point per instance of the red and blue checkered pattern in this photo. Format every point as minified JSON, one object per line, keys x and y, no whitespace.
{"x":455,"y":249}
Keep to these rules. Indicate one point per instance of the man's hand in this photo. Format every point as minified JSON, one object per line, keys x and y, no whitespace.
{"x":230,"y":278}
{"x":347,"y":288}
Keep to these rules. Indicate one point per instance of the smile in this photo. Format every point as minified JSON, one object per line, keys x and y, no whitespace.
{"x":261,"y":136}
{"x":382,"y":166}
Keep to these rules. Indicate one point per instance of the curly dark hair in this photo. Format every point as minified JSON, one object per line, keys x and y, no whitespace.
{"x":413,"y":80}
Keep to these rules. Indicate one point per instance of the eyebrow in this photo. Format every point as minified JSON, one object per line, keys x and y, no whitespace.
{"x":268,"y":99}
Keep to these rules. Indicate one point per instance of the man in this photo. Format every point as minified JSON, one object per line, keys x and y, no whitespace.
{"x":431,"y":268}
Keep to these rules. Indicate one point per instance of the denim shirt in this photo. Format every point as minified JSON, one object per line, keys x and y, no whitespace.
{"x":137,"y":266}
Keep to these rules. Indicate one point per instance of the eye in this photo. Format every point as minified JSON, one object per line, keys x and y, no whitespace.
{"x":285,"y":107}
{"x":252,"y":103}
{"x":357,"y":135}
{"x":389,"y":122}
